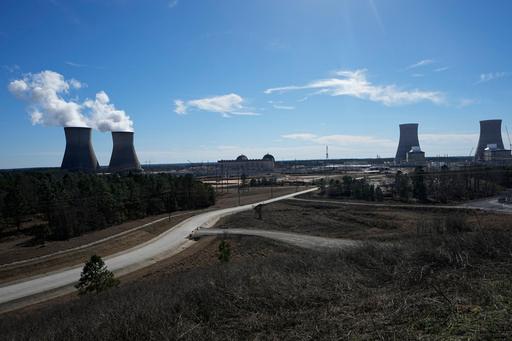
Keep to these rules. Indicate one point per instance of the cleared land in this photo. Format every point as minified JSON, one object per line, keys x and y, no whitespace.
{"x":359,"y":222}
{"x":273,"y":291}
{"x":16,"y":248}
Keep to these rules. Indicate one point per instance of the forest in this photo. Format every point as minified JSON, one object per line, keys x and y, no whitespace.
{"x":62,"y":205}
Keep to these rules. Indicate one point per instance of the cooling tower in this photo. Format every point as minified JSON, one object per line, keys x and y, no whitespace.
{"x":408,"y":139}
{"x":123,"y":153}
{"x":79,"y":155}
{"x":490,"y":133}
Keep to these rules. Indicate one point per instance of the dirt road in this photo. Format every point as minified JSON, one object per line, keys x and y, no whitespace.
{"x":300,"y":240}
{"x":165,"y":245}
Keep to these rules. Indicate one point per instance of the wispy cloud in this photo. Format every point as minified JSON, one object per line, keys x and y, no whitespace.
{"x":441,"y":69}
{"x":466,"y":102}
{"x":355,"y":84}
{"x":283,"y":107}
{"x":11,"y":68}
{"x":486,"y":77}
{"x":226,"y":105}
{"x":172,"y":3}
{"x":279,"y":105}
{"x":448,"y":143}
{"x":340,"y":140}
{"x":423,"y":62}
{"x":78,"y":65}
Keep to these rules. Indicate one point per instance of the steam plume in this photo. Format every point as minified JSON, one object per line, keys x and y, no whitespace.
{"x":48,"y":96}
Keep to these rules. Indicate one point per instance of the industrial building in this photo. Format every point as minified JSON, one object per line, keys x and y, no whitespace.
{"x":490,"y":143}
{"x":79,"y":154}
{"x":493,"y":154}
{"x":416,"y":156}
{"x":123,"y":157}
{"x":408,"y":140}
{"x":244,"y":166}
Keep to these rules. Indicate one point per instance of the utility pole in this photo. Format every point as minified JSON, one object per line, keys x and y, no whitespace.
{"x":238,"y":188}
{"x":509,"y":143}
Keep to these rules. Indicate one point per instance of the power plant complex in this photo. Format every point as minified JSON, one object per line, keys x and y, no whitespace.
{"x":80,"y":156}
{"x":490,"y":148}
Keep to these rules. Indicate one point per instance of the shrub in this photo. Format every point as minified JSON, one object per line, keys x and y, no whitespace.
{"x":224,"y":251}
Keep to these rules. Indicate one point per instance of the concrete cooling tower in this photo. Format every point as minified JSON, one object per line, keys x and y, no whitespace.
{"x":490,"y":134}
{"x":123,"y":153}
{"x":408,"y":139}
{"x":79,"y":154}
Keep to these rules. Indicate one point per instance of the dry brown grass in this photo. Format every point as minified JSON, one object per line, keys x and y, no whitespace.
{"x":435,"y":286}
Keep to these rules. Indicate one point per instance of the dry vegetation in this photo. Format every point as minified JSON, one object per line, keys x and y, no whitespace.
{"x":358,"y":222}
{"x":450,"y":285}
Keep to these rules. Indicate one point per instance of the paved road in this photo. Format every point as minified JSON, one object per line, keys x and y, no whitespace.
{"x":300,"y":240}
{"x":164,"y":245}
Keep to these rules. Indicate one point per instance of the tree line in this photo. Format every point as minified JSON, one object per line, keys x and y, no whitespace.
{"x":437,"y":187}
{"x":349,"y":187}
{"x":69,"y":204}
{"x":445,"y":185}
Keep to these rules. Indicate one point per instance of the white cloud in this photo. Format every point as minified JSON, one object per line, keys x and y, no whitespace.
{"x":181,"y":108}
{"x":283,"y":107}
{"x":340,"y":140}
{"x":173,"y":3}
{"x":460,"y":144}
{"x":11,"y":68}
{"x":423,"y":62}
{"x":355,"y":84}
{"x":486,"y":77}
{"x":441,"y":69}
{"x":227,"y":105}
{"x":465,"y":102}
{"x":46,"y":94}
{"x":105,"y":117}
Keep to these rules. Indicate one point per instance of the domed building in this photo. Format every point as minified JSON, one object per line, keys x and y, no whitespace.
{"x":242,"y":165}
{"x":269,"y":157}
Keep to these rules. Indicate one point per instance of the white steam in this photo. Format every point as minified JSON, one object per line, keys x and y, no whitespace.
{"x":105,"y":117}
{"x":47,"y":95}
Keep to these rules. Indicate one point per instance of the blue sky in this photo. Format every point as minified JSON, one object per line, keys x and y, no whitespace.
{"x":205,"y":80}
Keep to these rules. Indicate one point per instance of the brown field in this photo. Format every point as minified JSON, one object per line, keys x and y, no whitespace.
{"x":358,"y":222}
{"x":272,"y":291}
{"x":16,"y":248}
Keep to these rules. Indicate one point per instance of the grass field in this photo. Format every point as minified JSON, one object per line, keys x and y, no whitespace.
{"x":451,"y":285}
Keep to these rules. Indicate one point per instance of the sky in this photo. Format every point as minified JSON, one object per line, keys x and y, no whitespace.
{"x":203,"y":80}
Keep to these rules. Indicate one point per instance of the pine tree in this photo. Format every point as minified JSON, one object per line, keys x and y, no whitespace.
{"x":95,"y":277}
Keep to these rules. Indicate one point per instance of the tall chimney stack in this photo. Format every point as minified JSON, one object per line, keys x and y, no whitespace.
{"x":490,"y":133}
{"x":123,"y":156}
{"x":408,"y":139}
{"x":79,"y":154}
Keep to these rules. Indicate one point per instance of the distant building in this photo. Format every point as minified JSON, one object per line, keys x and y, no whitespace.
{"x":244,"y":166}
{"x":492,"y":153}
{"x":415,"y":156}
